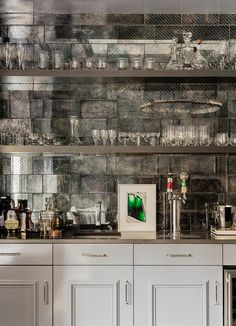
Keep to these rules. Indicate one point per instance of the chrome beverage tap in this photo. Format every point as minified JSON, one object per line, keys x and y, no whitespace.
{"x":176,"y":199}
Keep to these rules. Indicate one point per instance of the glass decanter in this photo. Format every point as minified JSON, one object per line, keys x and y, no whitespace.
{"x":199,"y":62}
{"x":187,"y":51}
{"x":174,"y":63}
{"x":74,"y":125}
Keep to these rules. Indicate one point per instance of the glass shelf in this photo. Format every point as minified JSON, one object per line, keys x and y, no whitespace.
{"x":119,"y":149}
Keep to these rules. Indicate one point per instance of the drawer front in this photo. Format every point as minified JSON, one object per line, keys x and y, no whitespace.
{"x":25,"y":254}
{"x":229,"y":254}
{"x":178,"y":254}
{"x":93,"y":254}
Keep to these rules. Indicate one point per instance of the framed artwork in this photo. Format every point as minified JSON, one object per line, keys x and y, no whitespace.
{"x":137,"y":210}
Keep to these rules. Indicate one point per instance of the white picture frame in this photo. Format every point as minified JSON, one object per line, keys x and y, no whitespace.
{"x":137,"y":210}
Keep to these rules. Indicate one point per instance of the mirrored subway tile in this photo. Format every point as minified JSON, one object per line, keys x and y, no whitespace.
{"x":64,"y":108}
{"x":4,"y":109}
{"x":16,"y":19}
{"x":27,"y":34}
{"x":168,"y":32}
{"x":62,"y":202}
{"x":41,"y":126}
{"x":88,"y":164}
{"x":90,"y":32}
{"x":202,"y":198}
{"x":21,"y":164}
{"x":211,"y":32}
{"x":209,"y":184}
{"x":56,"y":184}
{"x":200,"y":19}
{"x":232,"y":184}
{"x":50,"y":87}
{"x":5,"y":184}
{"x":125,"y":19}
{"x":149,"y":165}
{"x":75,"y":183}
{"x":136,"y":32}
{"x":61,"y":165}
{"x":62,"y":34}
{"x":98,"y":109}
{"x":60,"y":127}
{"x":88,"y":200}
{"x":16,"y":6}
{"x":227,"y":19}
{"x":232,"y":104}
{"x":86,"y":126}
{"x":19,"y":95}
{"x":94,"y":184}
{"x":127,"y":91}
{"x":52,"y":19}
{"x":231,"y":198}
{"x":88,"y":19}
{"x":20,"y":109}
{"x":89,"y":91}
{"x":232,"y":164}
{"x":124,"y":50}
{"x":38,"y":202}
{"x":34,"y":184}
{"x":127,"y":179}
{"x":28,"y":197}
{"x":163,"y":163}
{"x":222,"y":125}
{"x":131,"y":165}
{"x":163,"y":19}
{"x":131,"y":108}
{"x":88,"y":50}
{"x":36,"y":109}
{"x":232,"y":126}
{"x":193,"y":165}
{"x":160,"y":51}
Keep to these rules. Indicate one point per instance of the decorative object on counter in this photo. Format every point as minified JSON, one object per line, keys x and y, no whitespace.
{"x":137,"y":211}
{"x":94,"y":215}
{"x":176,"y":199}
{"x":51,"y":224}
{"x":199,"y":62}
{"x":122,"y":63}
{"x":188,"y":52}
{"x":137,"y":63}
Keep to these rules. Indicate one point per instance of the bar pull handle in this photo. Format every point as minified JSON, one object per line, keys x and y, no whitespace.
{"x":84,"y":254}
{"x":45,"y":292}
{"x":216,"y":293}
{"x":229,"y":300}
{"x":128,"y":295}
{"x":11,"y":254}
{"x":179,"y":255}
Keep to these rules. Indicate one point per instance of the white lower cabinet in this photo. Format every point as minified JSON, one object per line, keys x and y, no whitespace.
{"x":25,"y":296}
{"x":93,"y":295}
{"x":178,"y":296}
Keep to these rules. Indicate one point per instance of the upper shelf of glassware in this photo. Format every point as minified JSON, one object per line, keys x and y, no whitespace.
{"x":127,"y":73}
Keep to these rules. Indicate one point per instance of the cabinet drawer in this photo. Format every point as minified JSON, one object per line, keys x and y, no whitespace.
{"x":25,"y":254}
{"x":178,"y":254}
{"x":229,"y":254}
{"x":93,"y":254}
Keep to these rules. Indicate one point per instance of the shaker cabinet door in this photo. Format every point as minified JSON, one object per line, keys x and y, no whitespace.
{"x":25,"y":296}
{"x":93,"y":295}
{"x":178,"y":296}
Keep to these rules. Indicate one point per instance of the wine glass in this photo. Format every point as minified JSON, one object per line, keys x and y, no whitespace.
{"x":96,"y":136}
{"x":112,"y":134}
{"x":104,"y":136}
{"x":124,"y":136}
{"x":21,"y":53}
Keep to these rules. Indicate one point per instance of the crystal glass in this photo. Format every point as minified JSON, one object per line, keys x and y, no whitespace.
{"x":112,"y":135}
{"x":21,"y":55}
{"x":137,"y":137}
{"x":199,"y":62}
{"x":174,"y":63}
{"x":104,"y":136}
{"x":137,"y":63}
{"x":187,"y":51}
{"x":43,"y":62}
{"x":88,"y":63}
{"x":124,"y":136}
{"x":101,"y":63}
{"x":233,"y":139}
{"x":204,"y":135}
{"x":150,"y":63}
{"x":122,"y":63}
{"x":221,"y":139}
{"x":58,"y":60}
{"x":96,"y":136}
{"x":74,"y":63}
{"x":74,"y":130}
{"x":9,"y":54}
{"x":152,"y":137}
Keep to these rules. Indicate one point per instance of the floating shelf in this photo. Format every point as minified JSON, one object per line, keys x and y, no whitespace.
{"x":120,"y":149}
{"x":114,"y":73}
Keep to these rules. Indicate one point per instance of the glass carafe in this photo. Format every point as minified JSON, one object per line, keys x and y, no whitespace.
{"x":199,"y":62}
{"x":174,"y":63}
{"x":187,"y":51}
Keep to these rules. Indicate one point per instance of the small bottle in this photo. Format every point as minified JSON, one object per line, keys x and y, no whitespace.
{"x":11,"y":223}
{"x":2,"y":222}
{"x":188,"y":53}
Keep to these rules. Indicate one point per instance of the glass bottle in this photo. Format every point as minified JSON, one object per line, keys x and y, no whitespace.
{"x":11,"y":223}
{"x":187,"y":51}
{"x":174,"y":63}
{"x":199,"y":62}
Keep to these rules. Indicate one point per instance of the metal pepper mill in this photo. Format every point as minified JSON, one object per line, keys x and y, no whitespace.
{"x":176,"y":199}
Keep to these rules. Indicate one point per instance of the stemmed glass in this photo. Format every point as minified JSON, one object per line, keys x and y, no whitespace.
{"x":74,"y":123}
{"x":21,"y":53}
{"x":124,"y":136}
{"x":9,"y":52}
{"x":104,"y":136}
{"x":96,"y":136}
{"x":137,"y":137}
{"x":112,"y":134}
{"x":151,"y":137}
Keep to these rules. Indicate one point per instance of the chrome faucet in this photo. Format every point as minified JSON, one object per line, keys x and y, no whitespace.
{"x":175,"y":200}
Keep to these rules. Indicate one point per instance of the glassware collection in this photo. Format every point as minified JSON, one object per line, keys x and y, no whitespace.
{"x":182,"y":56}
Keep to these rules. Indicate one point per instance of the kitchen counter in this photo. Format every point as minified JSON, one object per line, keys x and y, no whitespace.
{"x":162,"y":238}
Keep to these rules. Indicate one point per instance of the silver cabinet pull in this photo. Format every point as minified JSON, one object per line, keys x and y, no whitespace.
{"x":45,"y":292}
{"x":216,"y":292}
{"x":229,"y":299}
{"x":9,"y":254}
{"x":179,"y":255}
{"x":84,"y":254}
{"x":128,"y":295}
